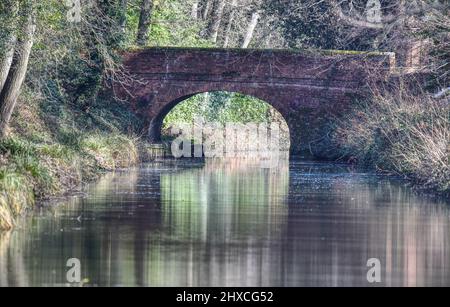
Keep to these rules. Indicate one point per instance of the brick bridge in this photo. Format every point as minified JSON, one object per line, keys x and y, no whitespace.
{"x":306,"y":88}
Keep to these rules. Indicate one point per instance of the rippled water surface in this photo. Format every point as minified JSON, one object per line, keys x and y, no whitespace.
{"x":233,"y":223}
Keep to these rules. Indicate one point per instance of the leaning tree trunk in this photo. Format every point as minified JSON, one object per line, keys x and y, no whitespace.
{"x":144,"y":22}
{"x":17,"y":72}
{"x":250,"y":30}
{"x":216,"y":19}
{"x":206,"y":7}
{"x":6,"y":59}
{"x":8,"y":11}
{"x":231,"y":17}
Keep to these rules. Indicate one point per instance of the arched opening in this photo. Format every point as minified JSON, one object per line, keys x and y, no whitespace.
{"x":247,"y":116}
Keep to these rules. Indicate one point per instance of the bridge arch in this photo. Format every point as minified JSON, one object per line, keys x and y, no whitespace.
{"x":158,"y":115}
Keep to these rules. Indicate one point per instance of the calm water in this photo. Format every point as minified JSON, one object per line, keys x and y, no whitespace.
{"x":234,"y":224}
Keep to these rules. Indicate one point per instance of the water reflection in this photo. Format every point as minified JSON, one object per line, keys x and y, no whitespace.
{"x":233,"y":223}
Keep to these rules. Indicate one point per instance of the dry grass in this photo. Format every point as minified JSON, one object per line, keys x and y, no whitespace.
{"x":33,"y":170}
{"x":112,"y":151}
{"x":15,"y":197}
{"x":400,"y":133}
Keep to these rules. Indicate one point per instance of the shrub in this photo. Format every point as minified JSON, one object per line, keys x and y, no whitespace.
{"x":400,"y":133}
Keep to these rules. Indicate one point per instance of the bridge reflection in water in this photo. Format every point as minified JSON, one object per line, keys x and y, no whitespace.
{"x":233,"y":223}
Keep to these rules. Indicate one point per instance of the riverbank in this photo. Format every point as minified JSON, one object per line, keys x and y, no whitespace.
{"x":54,"y":148}
{"x":397,"y":133}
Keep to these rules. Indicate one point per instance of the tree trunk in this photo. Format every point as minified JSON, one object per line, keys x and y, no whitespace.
{"x":251,"y":30}
{"x":206,"y":7}
{"x":6,"y":60}
{"x":123,"y":15}
{"x":8,"y":11}
{"x":194,"y":10}
{"x":17,"y":72}
{"x":231,"y":17}
{"x":144,"y":22}
{"x":216,"y":19}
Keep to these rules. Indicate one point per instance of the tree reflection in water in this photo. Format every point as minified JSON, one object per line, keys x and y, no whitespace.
{"x":233,"y":223}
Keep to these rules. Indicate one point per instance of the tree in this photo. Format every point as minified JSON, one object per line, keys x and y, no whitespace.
{"x":7,"y":58}
{"x":205,"y":8}
{"x":231,"y":17}
{"x":144,"y":22}
{"x":306,"y":24}
{"x":215,"y":21}
{"x":417,"y":31}
{"x":195,"y":9}
{"x":19,"y":64}
{"x":251,"y":29}
{"x":8,"y":14}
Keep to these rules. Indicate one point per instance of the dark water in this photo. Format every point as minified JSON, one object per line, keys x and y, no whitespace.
{"x":234,"y":224}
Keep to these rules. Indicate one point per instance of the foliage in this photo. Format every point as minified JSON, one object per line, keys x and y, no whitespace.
{"x":85,"y":51}
{"x":174,"y":27}
{"x":220,"y":107}
{"x":303,"y":27}
{"x":400,"y":133}
{"x":55,"y":146}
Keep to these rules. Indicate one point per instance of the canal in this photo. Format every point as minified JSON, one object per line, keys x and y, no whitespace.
{"x":234,"y":223}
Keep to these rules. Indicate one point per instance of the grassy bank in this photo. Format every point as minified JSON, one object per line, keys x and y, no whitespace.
{"x":398,"y":133}
{"x":55,"y":147}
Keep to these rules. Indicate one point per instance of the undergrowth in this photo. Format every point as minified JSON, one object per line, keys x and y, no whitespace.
{"x":55,"y":147}
{"x":399,"y":133}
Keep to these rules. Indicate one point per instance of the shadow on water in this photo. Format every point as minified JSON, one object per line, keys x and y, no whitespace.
{"x":233,"y":223}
